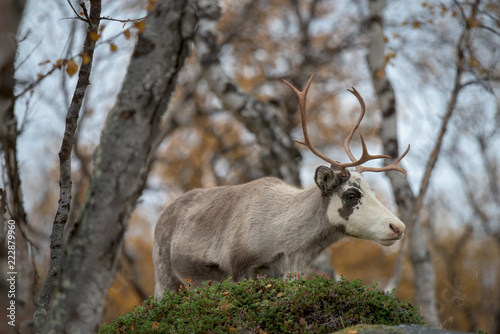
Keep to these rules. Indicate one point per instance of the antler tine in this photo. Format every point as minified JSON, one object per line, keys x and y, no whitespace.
{"x":365,"y":156}
{"x":347,"y":140}
{"x":302,"y":95}
{"x":393,"y":166}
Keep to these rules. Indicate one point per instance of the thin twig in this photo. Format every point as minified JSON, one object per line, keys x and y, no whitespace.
{"x":32,"y":52}
{"x":76,"y":13}
{"x":107,"y":18}
{"x":122,"y":20}
{"x":89,"y":21}
{"x":35,"y":83}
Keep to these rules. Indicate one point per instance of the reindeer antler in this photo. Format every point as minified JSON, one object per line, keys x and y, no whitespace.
{"x":302,"y":95}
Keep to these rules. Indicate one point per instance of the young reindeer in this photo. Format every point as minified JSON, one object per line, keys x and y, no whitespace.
{"x":267,"y":227}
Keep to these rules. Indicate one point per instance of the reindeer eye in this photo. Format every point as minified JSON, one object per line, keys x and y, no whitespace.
{"x":352,"y":195}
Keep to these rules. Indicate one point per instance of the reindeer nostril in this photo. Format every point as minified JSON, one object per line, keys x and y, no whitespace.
{"x":394,"y":229}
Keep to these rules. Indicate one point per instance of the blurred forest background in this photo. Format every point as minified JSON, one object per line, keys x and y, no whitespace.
{"x":439,"y":58}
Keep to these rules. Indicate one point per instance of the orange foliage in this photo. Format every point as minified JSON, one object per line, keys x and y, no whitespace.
{"x":135,"y":271}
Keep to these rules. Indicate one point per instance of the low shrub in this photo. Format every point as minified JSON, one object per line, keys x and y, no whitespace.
{"x":265,"y":305}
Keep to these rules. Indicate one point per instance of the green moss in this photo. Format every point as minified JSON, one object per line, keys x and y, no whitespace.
{"x":319,"y":305}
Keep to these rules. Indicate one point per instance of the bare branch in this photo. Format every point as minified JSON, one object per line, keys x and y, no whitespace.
{"x":89,"y":21}
{"x":107,"y":18}
{"x":461,"y":45}
{"x":37,"y":81}
{"x":76,"y":13}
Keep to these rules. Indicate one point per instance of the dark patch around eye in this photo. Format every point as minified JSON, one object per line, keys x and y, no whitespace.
{"x":350,"y":200}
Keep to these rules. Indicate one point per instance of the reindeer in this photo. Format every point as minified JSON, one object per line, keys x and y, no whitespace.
{"x":267,"y":227}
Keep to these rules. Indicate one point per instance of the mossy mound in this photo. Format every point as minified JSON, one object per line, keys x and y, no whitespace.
{"x":318,"y":305}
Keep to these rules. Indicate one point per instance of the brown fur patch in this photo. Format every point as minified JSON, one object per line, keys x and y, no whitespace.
{"x":346,"y":211}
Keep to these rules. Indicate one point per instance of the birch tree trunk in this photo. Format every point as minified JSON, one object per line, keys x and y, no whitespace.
{"x":425,"y":292}
{"x":120,"y":168}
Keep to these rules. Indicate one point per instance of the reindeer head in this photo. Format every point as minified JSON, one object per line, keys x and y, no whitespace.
{"x":353,"y":208}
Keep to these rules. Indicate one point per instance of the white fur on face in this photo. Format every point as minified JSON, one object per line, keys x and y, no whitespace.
{"x":356,"y":212}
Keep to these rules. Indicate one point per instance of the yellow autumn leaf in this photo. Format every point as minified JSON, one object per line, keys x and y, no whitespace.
{"x":151,"y":4}
{"x":71,"y":68}
{"x":59,"y":63}
{"x":85,"y":58}
{"x":416,"y":25}
{"x":126,"y":33}
{"x":94,"y":36}
{"x":389,"y":56}
{"x":113,"y":47}
{"x":140,"y":26}
{"x":473,"y":62}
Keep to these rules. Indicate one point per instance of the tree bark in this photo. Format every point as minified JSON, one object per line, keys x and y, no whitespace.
{"x":425,"y":291}
{"x":11,"y":12}
{"x":119,"y":175}
{"x":279,"y":155}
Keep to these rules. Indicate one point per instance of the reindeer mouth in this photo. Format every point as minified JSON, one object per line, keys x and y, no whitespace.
{"x":389,"y":241}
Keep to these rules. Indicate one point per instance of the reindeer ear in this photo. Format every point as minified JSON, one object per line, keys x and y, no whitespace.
{"x":326,"y":180}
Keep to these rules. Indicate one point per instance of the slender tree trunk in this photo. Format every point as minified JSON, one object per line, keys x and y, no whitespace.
{"x":11,"y":12}
{"x":120,"y":165}
{"x":425,"y":291}
{"x":65,"y":182}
